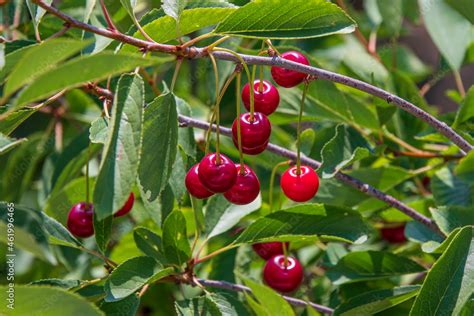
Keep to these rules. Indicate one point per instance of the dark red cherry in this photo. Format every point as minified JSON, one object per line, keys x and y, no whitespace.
{"x":80,"y":220}
{"x":255,"y":133}
{"x":245,"y":189}
{"x":266,"y":250}
{"x":300,"y":187}
{"x":265,"y":101}
{"x":394,"y":235}
{"x":290,"y":78}
{"x":194,"y":185}
{"x":217,"y":178}
{"x":127,"y":207}
{"x":280,"y":277}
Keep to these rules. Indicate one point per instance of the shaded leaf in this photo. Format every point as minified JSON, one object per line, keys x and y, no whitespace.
{"x":126,"y":307}
{"x":376,"y":301}
{"x":149,"y":243}
{"x":307,"y":221}
{"x":448,"y":218}
{"x":448,"y":189}
{"x":450,"y":282}
{"x":119,"y":165}
{"x":270,"y":301}
{"x":175,"y":240}
{"x":464,"y":7}
{"x":7,"y":143}
{"x":370,"y":265}
{"x":286,"y":19}
{"x":98,"y":132}
{"x":465,"y":114}
{"x":174,"y":8}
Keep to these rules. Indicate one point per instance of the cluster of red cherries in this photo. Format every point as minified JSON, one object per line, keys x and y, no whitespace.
{"x":80,"y":220}
{"x":241,"y":186}
{"x":216,"y":173}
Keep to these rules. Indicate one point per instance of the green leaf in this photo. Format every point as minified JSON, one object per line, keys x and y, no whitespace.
{"x":465,"y":114}
{"x":164,"y":29}
{"x":450,"y":282}
{"x":86,"y":68}
{"x":58,"y":234}
{"x":174,"y":8}
{"x":371,"y":265}
{"x":282,"y":19}
{"x":102,"y":231}
{"x":221,"y":305}
{"x":186,"y":134}
{"x":175,"y":240}
{"x":272,"y":302}
{"x":14,"y":119}
{"x":40,"y":59}
{"x":129,"y":5}
{"x":149,"y":243}
{"x":448,"y":218}
{"x":376,"y":301}
{"x":7,"y":143}
{"x":464,"y":7}
{"x":448,"y":189}
{"x":126,"y":307}
{"x":448,"y":29}
{"x":421,"y":233}
{"x":43,"y":300}
{"x":209,"y":305}
{"x":119,"y":166}
{"x":307,"y":221}
{"x":64,"y":284}
{"x":160,"y":138}
{"x":98,"y":132}
{"x":131,"y":275}
{"x":221,"y":215}
{"x":346,"y":147}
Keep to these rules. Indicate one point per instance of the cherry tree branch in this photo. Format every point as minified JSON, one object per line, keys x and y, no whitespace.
{"x":351,"y":181}
{"x":194,"y":52}
{"x":241,"y":288}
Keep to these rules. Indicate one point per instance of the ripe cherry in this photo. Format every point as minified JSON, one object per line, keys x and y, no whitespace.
{"x":246,"y":187}
{"x":281,"y":277}
{"x":300,"y":187}
{"x":394,"y":235}
{"x":266,"y":250}
{"x":255,"y":133}
{"x":194,"y":185}
{"x":80,"y":220}
{"x":265,"y":101}
{"x":217,"y":178}
{"x":290,"y":78}
{"x":127,"y":207}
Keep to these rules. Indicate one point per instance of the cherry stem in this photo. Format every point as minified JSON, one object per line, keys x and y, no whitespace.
{"x":272,"y":181}
{"x":215,"y":253}
{"x":298,"y":137}
{"x":179,"y":61}
{"x":216,"y":75}
{"x":285,"y":254}
{"x":247,"y":71}
{"x":260,"y":84}
{"x":87,"y":174}
{"x":198,"y":228}
{"x":220,"y":40}
{"x":239,"y":136}
{"x":197,"y":39}
{"x":269,"y":43}
{"x":107,"y":17}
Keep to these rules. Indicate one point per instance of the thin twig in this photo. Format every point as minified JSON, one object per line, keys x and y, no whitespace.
{"x":194,"y":52}
{"x":241,"y":288}
{"x":110,"y":23}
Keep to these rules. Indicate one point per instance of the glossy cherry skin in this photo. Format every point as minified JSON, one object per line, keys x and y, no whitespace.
{"x":194,"y":185}
{"x":217,"y":178}
{"x":265,"y":101}
{"x":245,"y":189}
{"x":127,"y":207}
{"x":300,"y":187}
{"x":266,"y":250}
{"x":80,"y":220}
{"x":254,"y":134}
{"x":394,"y":235}
{"x":283,"y":278}
{"x":290,"y":78}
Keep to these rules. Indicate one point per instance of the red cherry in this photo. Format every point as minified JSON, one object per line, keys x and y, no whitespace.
{"x":281,"y":277}
{"x":217,"y":178}
{"x":246,"y":187}
{"x":80,"y":220}
{"x":394,"y":235}
{"x":300,"y":187}
{"x":127,"y":207}
{"x":265,"y":101}
{"x":194,"y":185}
{"x":266,"y":250}
{"x":290,"y":78}
{"x":254,"y":134}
